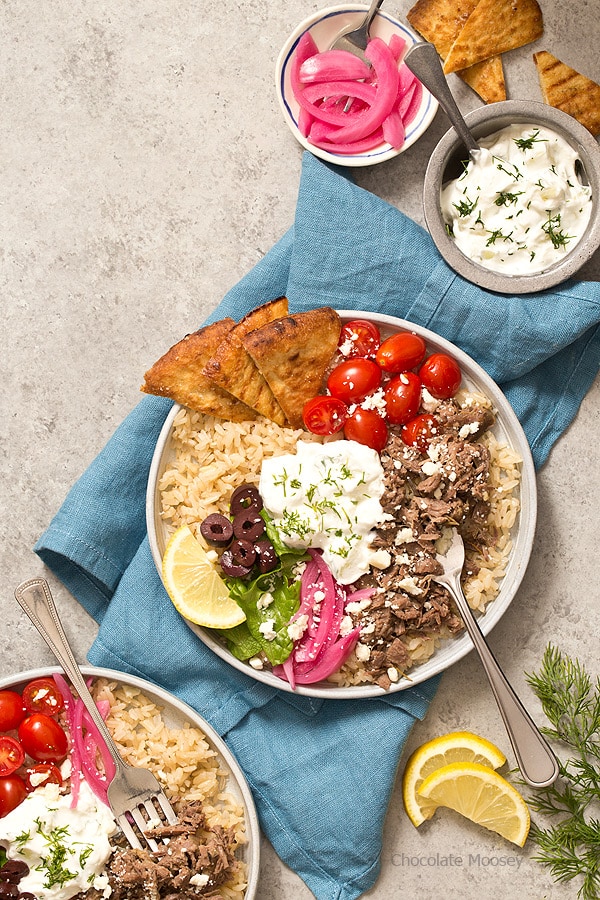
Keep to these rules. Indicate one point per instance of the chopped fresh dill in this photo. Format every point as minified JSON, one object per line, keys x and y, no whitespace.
{"x":501,"y":165}
{"x":497,"y":235}
{"x":552,"y":228}
{"x":505,"y":198}
{"x":528,"y":142}
{"x":466,"y":206}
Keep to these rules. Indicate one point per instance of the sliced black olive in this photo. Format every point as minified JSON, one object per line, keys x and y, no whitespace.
{"x":26,"y":895}
{"x":7,"y":889}
{"x":266,"y":556}
{"x":217,"y":530}
{"x":248,"y":525}
{"x":244,"y":497}
{"x":13,"y":870}
{"x":231,"y":567}
{"x":243,"y":552}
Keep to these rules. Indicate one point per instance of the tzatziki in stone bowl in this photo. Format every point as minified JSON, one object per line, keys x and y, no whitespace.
{"x":522,"y":213}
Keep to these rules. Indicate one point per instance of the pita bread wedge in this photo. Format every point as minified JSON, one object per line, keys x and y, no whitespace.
{"x":232,"y":369}
{"x":293,"y":354}
{"x":494,"y":26}
{"x":178,"y":375}
{"x":486,"y":78}
{"x":440,"y":22}
{"x":569,"y":90}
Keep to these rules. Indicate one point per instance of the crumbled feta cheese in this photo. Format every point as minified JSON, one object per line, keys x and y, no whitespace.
{"x":256,"y":662}
{"x":429,"y":403}
{"x":267,"y":630}
{"x":357,"y":606}
{"x":265,"y":600}
{"x":393,"y":674}
{"x":409,"y":585}
{"x":200,"y":879}
{"x":346,"y":625}
{"x":466,"y":430}
{"x":380,"y":559}
{"x":296,"y":629}
{"x":430,"y":468}
{"x":363,"y":652}
{"x":212,"y":556}
{"x":404,"y":536}
{"x":368,"y":629}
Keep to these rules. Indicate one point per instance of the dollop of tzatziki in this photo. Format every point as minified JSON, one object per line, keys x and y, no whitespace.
{"x":519,"y":206}
{"x":327,"y":496}
{"x":65,"y":847}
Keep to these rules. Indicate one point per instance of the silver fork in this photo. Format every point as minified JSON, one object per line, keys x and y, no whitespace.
{"x":536,"y":760}
{"x":355,"y":40}
{"x":133,"y":791}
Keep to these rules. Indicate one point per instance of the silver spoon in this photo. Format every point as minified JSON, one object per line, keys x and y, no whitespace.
{"x":424,"y":62}
{"x":536,"y":760}
{"x":355,"y":40}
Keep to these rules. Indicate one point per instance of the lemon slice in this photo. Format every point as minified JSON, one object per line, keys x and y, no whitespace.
{"x":458,"y":746}
{"x":194,"y":585}
{"x":481,"y":795}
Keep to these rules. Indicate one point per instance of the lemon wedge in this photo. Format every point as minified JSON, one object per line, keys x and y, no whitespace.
{"x":481,"y":795}
{"x":458,"y":746}
{"x":194,"y":585}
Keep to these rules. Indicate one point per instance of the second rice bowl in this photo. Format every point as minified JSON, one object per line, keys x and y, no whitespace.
{"x":506,"y":431}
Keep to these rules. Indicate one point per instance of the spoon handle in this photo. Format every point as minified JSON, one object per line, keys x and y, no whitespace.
{"x":536,"y":760}
{"x":424,"y":62}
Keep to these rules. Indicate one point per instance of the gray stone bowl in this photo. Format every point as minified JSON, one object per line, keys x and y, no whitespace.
{"x":445,"y":164}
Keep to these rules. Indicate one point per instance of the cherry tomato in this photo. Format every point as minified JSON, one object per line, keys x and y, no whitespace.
{"x":12,"y":755}
{"x":353,"y":379}
{"x":324,"y":415}
{"x":366,"y":426}
{"x":361,"y":337}
{"x":43,"y":773}
{"x":441,"y":375}
{"x":419,"y":431}
{"x":12,"y":792}
{"x":12,"y":711}
{"x":43,"y":739}
{"x":403,"y":398}
{"x":401,"y":352}
{"x":42,"y":695}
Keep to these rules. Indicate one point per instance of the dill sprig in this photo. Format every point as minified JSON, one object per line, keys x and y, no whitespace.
{"x":570,"y":845}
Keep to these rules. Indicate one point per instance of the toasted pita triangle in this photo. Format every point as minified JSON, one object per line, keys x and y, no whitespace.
{"x":569,"y":90}
{"x":232,"y":369}
{"x":293,"y":354}
{"x":440,"y":22}
{"x":178,"y":375}
{"x":494,"y":26}
{"x":486,"y":78}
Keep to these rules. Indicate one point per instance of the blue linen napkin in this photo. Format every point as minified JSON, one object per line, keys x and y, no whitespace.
{"x":321,"y":771}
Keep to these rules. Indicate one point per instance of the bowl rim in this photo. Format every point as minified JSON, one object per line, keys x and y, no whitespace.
{"x":184,"y":710}
{"x":384,"y":151}
{"x":456,"y":648}
{"x":485,"y":120}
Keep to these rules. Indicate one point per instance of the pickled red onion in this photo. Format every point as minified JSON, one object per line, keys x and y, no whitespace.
{"x":347,"y":107}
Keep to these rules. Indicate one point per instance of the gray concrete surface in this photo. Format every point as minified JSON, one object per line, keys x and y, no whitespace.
{"x":144,"y":169}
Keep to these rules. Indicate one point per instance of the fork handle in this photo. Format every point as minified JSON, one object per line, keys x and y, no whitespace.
{"x":35,"y":598}
{"x":535,"y":758}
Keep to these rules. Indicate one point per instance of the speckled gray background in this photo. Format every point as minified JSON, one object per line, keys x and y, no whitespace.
{"x":144,"y":168}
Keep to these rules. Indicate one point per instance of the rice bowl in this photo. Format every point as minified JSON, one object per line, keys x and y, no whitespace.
{"x":227,"y":454}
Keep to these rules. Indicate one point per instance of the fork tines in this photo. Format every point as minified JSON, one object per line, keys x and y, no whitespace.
{"x":145,"y":816}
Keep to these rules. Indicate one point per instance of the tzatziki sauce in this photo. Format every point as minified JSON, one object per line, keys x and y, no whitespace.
{"x":327,"y":496}
{"x":65,"y":847}
{"x":519,"y":206}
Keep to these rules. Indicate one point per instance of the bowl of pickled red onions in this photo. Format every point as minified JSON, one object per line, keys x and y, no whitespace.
{"x":343,"y":109}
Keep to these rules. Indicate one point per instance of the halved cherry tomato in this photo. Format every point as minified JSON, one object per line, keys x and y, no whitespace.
{"x":43,"y":739}
{"x":441,"y":375}
{"x":12,"y":755}
{"x":324,"y":415}
{"x":41,"y":774}
{"x":419,"y":431}
{"x":401,"y":352}
{"x":12,"y":711}
{"x":42,"y":695}
{"x":353,"y":379}
{"x":366,"y":426}
{"x":359,"y":337}
{"x":403,"y":398}
{"x":12,"y":792}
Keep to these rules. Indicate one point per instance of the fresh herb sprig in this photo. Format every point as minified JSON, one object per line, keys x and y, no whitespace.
{"x":570,"y":846}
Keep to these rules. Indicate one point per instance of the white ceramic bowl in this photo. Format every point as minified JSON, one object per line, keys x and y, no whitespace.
{"x":176,"y":714}
{"x":507,"y":429}
{"x":445,"y":164}
{"x":324,"y":27}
